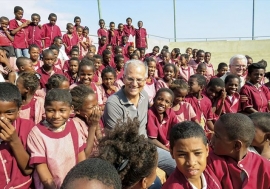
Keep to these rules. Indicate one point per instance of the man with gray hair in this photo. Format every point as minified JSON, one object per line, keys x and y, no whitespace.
{"x":132,"y":101}
{"x":238,"y":64}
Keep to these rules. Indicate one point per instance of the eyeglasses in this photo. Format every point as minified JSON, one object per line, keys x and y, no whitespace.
{"x":240,"y":66}
{"x":131,"y":80}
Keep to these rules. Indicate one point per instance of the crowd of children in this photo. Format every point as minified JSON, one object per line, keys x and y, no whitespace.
{"x":53,"y":90}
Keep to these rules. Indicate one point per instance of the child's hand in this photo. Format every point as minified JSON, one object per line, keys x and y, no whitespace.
{"x":243,"y":98}
{"x":94,"y":118}
{"x":8,"y":132}
{"x":40,"y":26}
{"x":223,"y":94}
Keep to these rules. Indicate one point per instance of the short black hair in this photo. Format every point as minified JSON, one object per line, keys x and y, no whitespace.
{"x":52,"y":15}
{"x":261,"y":120}
{"x":186,"y":56}
{"x":117,"y":58}
{"x":230,"y":77}
{"x":30,"y":80}
{"x":10,"y":93}
{"x":74,"y":59}
{"x":55,"y":81}
{"x":222,"y":65}
{"x":263,"y":63}
{"x":207,"y":53}
{"x":171,"y":65}
{"x":255,"y":66}
{"x":199,"y":52}
{"x":103,"y":37}
{"x":33,"y":46}
{"x":20,"y":61}
{"x":79,"y":94}
{"x":133,"y":55}
{"x":108,"y":69}
{"x":105,"y":52}
{"x":97,"y":56}
{"x":46,"y":52}
{"x":156,"y":47}
{"x":35,"y":14}
{"x":86,"y":62}
{"x":216,"y":82}
{"x":165,"y":47}
{"x":267,"y":75}
{"x":93,"y":169}
{"x":167,"y":90}
{"x":57,"y":38}
{"x":200,"y":79}
{"x":185,"y":130}
{"x":147,"y":60}
{"x":17,"y":9}
{"x":59,"y":95}
{"x":54,"y":47}
{"x":74,"y":50}
{"x":130,"y":46}
{"x":248,"y":57}
{"x":117,"y":48}
{"x":238,"y":127}
{"x":2,"y":18}
{"x":112,"y":23}
{"x":76,"y":17}
{"x":201,"y":66}
{"x":179,"y":84}
{"x":129,"y":19}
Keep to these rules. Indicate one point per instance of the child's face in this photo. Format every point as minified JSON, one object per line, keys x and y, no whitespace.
{"x":53,"y":20}
{"x":19,"y":15}
{"x":75,"y":54}
{"x":166,"y":58}
{"x":57,"y":113}
{"x":162,"y":102}
{"x":220,"y":141}
{"x":101,"y":24}
{"x":97,"y":63}
{"x":213,"y":92}
{"x":183,"y":61}
{"x":189,"y":51}
{"x":222,"y":71}
{"x":201,"y":71}
{"x":34,"y":54}
{"x":173,"y":53}
{"x":64,"y":85}
{"x":58,"y":43}
{"x":4,"y":24}
{"x":137,"y":52}
{"x":103,"y":41}
{"x":121,"y":27}
{"x":140,"y":24}
{"x":232,"y":86}
{"x":79,"y":31}
{"x":130,"y":50}
{"x":28,"y":67}
{"x":86,"y":74}
{"x":129,"y":22}
{"x":109,"y":48}
{"x":87,"y":107}
{"x":179,"y":95}
{"x":35,"y":20}
{"x":112,"y":27}
{"x":108,"y":79}
{"x":55,"y":52}
{"x":85,"y":33}
{"x":70,"y":29}
{"x":168,"y":73}
{"x":107,"y":58}
{"x":207,"y":57}
{"x":259,"y":138}
{"x":155,"y":51}
{"x":256,"y":76}
{"x":249,"y":61}
{"x":120,"y":64}
{"x":200,"y":57}
{"x":89,"y":55}
{"x":92,"y":49}
{"x":73,"y":66}
{"x":190,"y":155}
{"x":77,"y":22}
{"x":48,"y":60}
{"x":9,"y":110}
{"x":194,"y":87}
{"x":118,"y":51}
{"x":194,"y":52}
{"x":152,"y":68}
{"x":124,"y":40}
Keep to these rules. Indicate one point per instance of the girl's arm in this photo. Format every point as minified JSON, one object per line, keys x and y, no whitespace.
{"x":8,"y":133}
{"x":158,"y":144}
{"x":11,"y":38}
{"x":220,"y":107}
{"x":45,"y":176}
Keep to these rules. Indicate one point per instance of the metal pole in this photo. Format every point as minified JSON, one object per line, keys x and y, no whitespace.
{"x":99,"y":11}
{"x":174,"y":20}
{"x":253,"y":13}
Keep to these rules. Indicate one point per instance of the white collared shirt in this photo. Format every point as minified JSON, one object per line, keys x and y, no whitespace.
{"x":204,"y":183}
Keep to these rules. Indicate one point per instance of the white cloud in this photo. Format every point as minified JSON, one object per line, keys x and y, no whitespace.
{"x":36,"y":6}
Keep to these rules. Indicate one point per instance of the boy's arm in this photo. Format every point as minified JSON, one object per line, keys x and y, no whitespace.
{"x":8,"y":133}
{"x":45,"y":176}
{"x":158,"y":144}
{"x":25,"y":24}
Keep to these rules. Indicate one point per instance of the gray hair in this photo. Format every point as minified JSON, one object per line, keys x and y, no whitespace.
{"x":238,"y":57}
{"x":135,"y":63}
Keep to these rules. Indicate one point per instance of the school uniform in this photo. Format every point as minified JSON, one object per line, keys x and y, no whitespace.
{"x":161,"y":84}
{"x":97,"y":77}
{"x":21,"y":37}
{"x":38,"y":65}
{"x":178,"y":181}
{"x":129,"y":31}
{"x":194,"y":64}
{"x":231,"y":104}
{"x":50,"y":32}
{"x":70,"y":78}
{"x":35,"y":36}
{"x":119,"y":36}
{"x":185,"y":73}
{"x":119,"y":83}
{"x":10,"y":173}
{"x":202,"y":108}
{"x":253,"y":171}
{"x":119,"y":74}
{"x":210,"y":72}
{"x":6,"y":44}
{"x":140,"y":38}
{"x":44,"y":76}
{"x":87,"y":39}
{"x":258,"y":98}
{"x":159,"y":69}
{"x":70,"y":41}
{"x":99,"y":93}
{"x":113,"y":38}
{"x":34,"y":110}
{"x":59,"y":65}
{"x":150,"y":88}
{"x":43,"y":143}
{"x":102,"y":32}
{"x":101,"y":49}
{"x":185,"y":112}
{"x":160,"y":130}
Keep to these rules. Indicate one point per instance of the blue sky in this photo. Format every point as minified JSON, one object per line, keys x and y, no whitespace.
{"x":194,"y":18}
